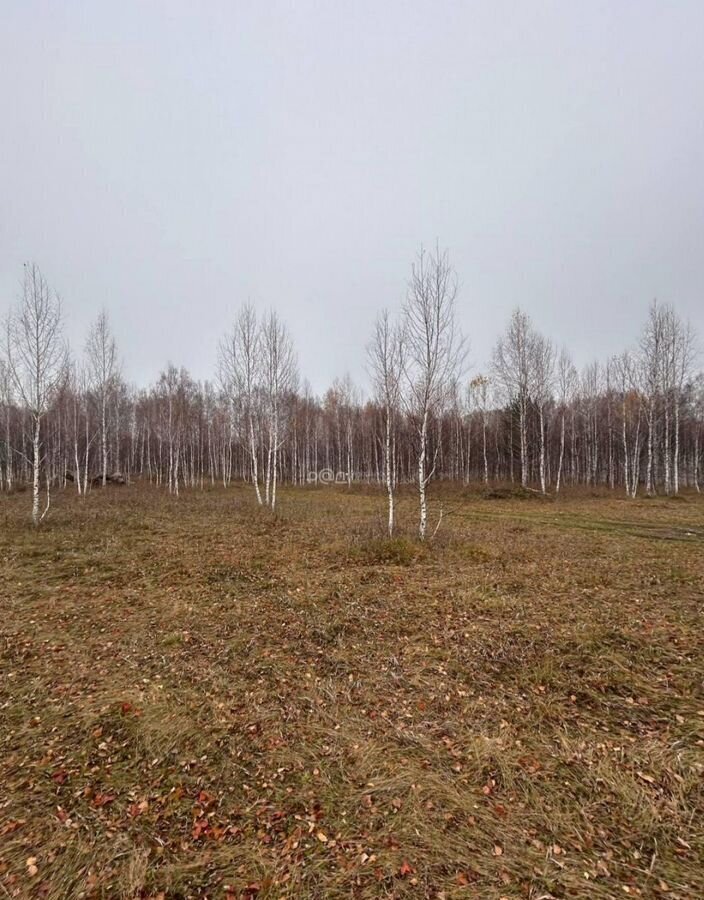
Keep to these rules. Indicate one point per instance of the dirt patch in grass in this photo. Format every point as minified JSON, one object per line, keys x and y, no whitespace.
{"x":197,"y":699}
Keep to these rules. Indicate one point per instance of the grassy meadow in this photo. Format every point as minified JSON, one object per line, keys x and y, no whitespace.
{"x":200,"y":699}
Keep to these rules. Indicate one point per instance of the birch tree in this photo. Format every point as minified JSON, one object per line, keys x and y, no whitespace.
{"x":698,"y":427}
{"x":479,"y":397}
{"x":512,"y":368}
{"x":543,"y":367}
{"x":625,"y":371}
{"x":279,"y":368}
{"x":240,"y":366}
{"x":651,"y":364}
{"x":36,"y":357}
{"x":567,"y":379}
{"x":590,"y":393}
{"x":171,"y":386}
{"x":385,"y":362}
{"x":432,"y":358}
{"x":6,"y":400}
{"x":101,"y":353}
{"x":678,"y":353}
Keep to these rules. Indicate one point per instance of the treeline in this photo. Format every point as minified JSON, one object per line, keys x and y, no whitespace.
{"x":631,"y":423}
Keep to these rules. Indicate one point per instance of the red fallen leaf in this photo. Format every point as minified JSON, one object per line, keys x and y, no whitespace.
{"x":136,"y":809}
{"x":59,"y":776}
{"x":530,"y":764}
{"x":205,"y":799}
{"x":200,"y":826}
{"x":126,"y":708}
{"x":11,"y":826}
{"x":252,"y":889}
{"x":500,"y":810}
{"x":103,"y":799}
{"x":406,"y":869}
{"x":61,"y":814}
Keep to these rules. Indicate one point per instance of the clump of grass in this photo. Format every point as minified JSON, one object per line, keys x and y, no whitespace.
{"x":386,"y":551}
{"x":513,"y":492}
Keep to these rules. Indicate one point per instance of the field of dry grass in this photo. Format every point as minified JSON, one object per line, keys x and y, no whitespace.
{"x":200,"y":700}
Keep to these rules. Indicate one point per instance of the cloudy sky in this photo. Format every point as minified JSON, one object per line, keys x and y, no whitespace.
{"x":170,"y":160}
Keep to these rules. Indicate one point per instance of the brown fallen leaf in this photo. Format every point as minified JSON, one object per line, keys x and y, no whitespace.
{"x":647,"y":778}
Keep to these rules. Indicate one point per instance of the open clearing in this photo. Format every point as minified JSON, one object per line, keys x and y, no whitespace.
{"x":200,"y":700}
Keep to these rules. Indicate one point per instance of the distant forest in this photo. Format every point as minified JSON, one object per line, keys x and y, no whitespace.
{"x":70,"y":420}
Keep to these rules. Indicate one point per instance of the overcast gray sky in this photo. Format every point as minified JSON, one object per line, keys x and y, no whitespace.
{"x":169,"y":160}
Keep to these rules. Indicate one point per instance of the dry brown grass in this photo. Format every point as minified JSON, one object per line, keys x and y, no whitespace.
{"x":198,"y":699}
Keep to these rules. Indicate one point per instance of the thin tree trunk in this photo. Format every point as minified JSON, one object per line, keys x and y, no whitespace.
{"x":36,"y":463}
{"x":423,"y":523}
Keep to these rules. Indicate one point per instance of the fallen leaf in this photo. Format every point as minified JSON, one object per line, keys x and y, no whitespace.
{"x":136,"y":809}
{"x":647,"y":778}
{"x":200,"y":826}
